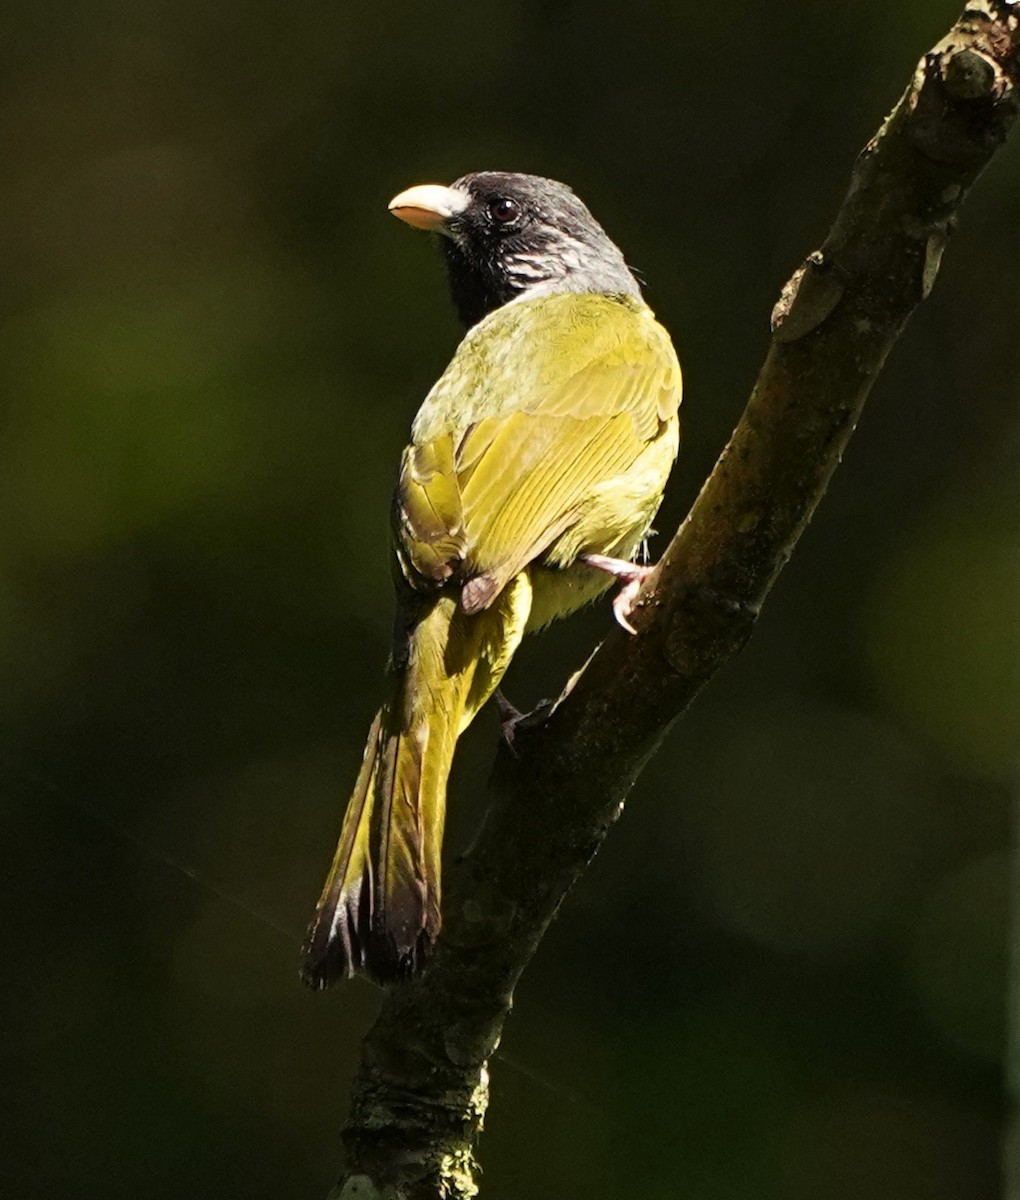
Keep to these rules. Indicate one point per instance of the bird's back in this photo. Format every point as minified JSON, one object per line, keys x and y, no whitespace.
{"x":550,"y":435}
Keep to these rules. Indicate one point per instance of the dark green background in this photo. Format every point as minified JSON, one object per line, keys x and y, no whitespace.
{"x":784,"y":976}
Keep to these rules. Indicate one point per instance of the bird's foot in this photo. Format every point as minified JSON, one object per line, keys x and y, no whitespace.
{"x":509,"y":717}
{"x":631,"y":576}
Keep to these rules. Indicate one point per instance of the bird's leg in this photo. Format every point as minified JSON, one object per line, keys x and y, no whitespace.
{"x":509,"y":717}
{"x":631,"y":575}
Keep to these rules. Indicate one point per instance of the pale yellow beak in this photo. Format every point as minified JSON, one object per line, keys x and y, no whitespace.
{"x":429,"y":206}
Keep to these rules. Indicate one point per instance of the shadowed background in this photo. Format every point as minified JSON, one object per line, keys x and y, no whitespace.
{"x":784,"y":976}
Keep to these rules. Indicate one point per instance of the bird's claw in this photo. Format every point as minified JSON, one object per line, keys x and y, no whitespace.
{"x":623,"y":604}
{"x":509,"y":718}
{"x":631,"y":576}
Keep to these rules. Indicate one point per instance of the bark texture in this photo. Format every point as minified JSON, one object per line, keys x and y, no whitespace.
{"x":421,"y":1093}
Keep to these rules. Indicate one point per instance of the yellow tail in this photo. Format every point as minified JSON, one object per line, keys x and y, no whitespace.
{"x":379,"y":911}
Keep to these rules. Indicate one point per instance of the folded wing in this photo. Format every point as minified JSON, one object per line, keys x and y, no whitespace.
{"x":544,"y":401}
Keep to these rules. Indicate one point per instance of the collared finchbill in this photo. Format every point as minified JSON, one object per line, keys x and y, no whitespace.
{"x":535,"y":466}
{"x":429,"y":205}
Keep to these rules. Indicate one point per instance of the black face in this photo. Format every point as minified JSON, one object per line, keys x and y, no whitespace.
{"x":521,"y":234}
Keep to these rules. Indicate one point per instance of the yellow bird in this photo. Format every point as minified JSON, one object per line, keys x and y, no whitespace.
{"x":535,"y":467}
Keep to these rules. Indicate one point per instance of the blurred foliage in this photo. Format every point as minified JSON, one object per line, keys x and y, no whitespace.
{"x":784,"y":976}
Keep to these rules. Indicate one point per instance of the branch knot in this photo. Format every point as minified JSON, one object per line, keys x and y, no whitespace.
{"x":969,"y":76}
{"x":808,"y":297}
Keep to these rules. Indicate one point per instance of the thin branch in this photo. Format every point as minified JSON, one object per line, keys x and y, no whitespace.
{"x":421,"y":1094}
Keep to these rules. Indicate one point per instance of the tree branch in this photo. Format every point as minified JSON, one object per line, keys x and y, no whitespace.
{"x":422,"y":1090}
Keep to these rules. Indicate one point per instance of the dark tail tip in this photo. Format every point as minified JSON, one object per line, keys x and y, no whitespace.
{"x":342,"y":943}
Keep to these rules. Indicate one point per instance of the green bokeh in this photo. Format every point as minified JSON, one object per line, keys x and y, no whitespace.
{"x":942,"y":631}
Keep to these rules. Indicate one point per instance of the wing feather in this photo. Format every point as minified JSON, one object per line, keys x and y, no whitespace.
{"x":522,"y":428}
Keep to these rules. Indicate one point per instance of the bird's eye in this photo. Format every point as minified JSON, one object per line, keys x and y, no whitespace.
{"x":503,"y":211}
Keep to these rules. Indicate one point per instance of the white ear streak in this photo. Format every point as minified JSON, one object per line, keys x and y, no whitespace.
{"x":528,"y":266}
{"x":565,"y":255}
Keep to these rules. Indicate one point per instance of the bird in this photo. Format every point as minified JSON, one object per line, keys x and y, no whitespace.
{"x":534,"y":469}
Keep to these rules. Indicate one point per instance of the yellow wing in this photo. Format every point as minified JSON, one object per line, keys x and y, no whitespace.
{"x":544,"y":401}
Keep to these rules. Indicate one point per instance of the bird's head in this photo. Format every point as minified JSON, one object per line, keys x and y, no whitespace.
{"x":508,"y":236}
